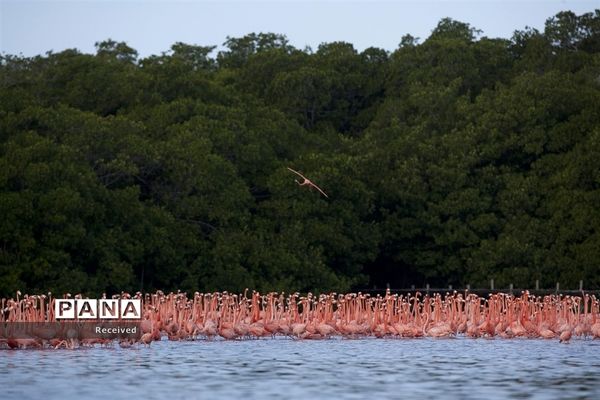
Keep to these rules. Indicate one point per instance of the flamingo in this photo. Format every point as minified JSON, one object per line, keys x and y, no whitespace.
{"x":146,"y":338}
{"x":317,"y":317}
{"x":307,"y":182}
{"x":565,"y":336}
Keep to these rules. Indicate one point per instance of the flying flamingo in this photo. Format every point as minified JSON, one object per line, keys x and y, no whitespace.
{"x":307,"y":182}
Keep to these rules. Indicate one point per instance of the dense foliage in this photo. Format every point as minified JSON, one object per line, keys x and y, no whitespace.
{"x":451,"y":161}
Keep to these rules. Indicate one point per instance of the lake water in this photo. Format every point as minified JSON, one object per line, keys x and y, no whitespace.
{"x":336,"y":368}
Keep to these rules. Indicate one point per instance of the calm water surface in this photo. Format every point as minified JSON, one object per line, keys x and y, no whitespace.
{"x":336,"y":368}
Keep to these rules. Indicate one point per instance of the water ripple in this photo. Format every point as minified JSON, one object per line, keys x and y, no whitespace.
{"x":387,"y":369}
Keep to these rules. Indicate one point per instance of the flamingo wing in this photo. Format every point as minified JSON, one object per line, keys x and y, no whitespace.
{"x":319,"y":189}
{"x":297,"y":173}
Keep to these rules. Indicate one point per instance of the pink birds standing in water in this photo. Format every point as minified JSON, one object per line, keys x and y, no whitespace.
{"x":239,"y":316}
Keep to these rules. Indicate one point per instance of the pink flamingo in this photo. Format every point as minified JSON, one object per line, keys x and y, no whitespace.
{"x":307,"y":182}
{"x":565,"y":336}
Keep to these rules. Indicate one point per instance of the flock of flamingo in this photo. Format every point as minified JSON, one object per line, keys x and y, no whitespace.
{"x":252,"y":315}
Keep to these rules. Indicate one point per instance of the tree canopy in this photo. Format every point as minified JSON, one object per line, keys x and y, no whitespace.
{"x":451,"y":160}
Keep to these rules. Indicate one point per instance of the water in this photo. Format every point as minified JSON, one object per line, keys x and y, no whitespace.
{"x":337,"y":368}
